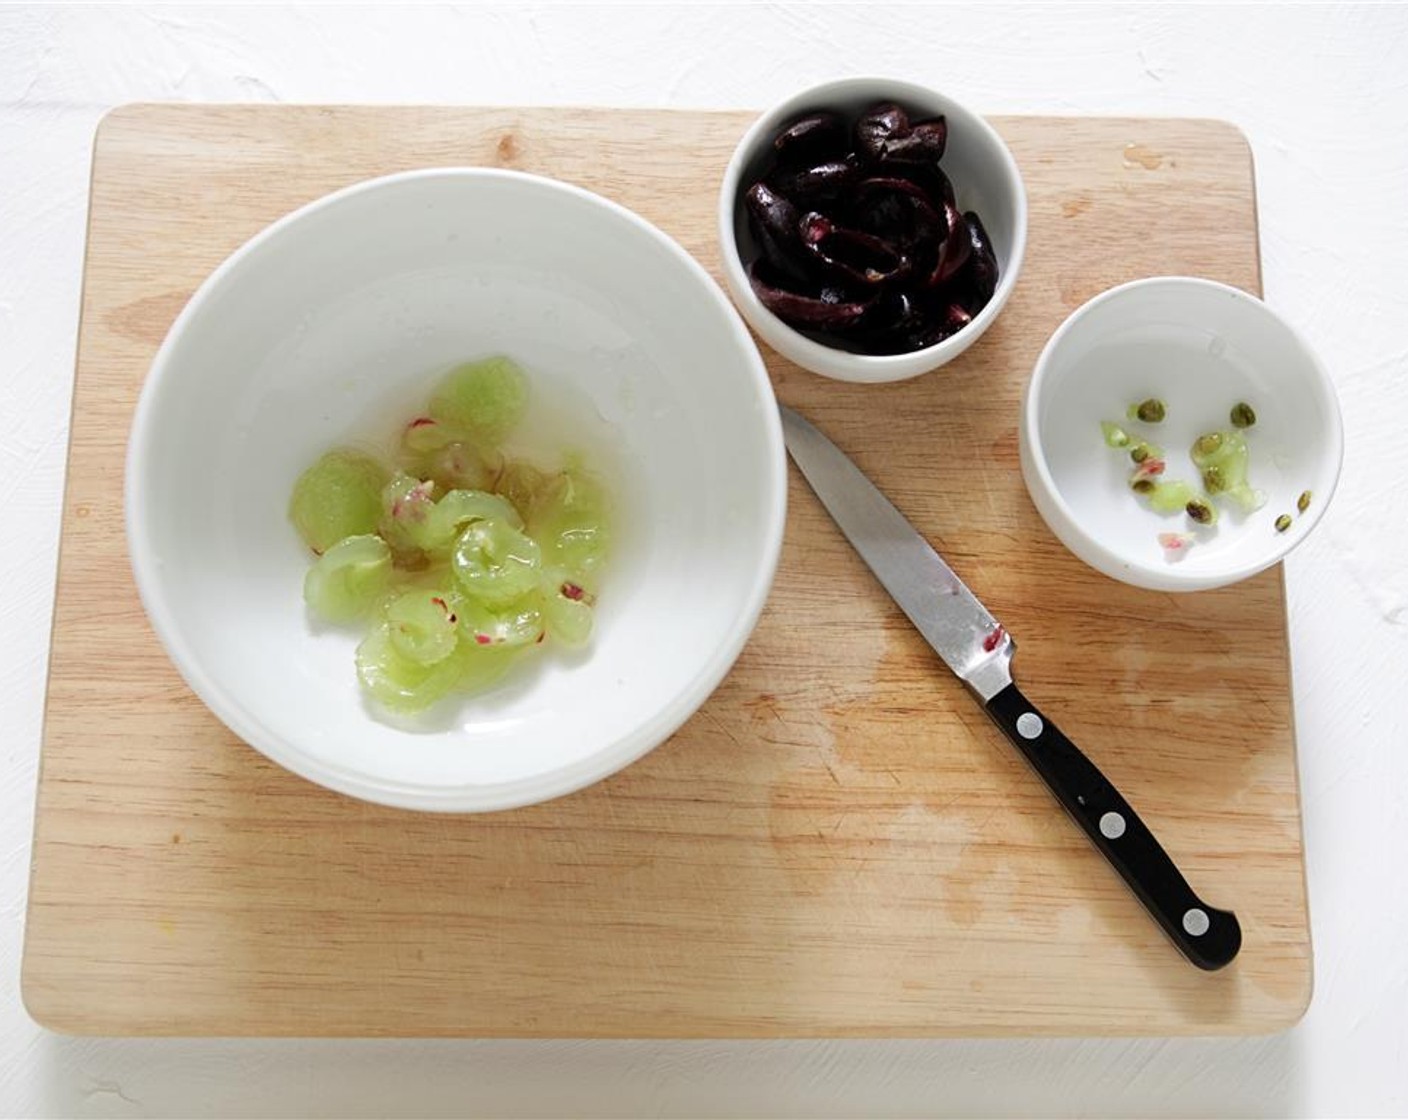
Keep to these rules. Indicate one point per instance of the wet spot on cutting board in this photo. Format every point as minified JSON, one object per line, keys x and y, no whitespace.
{"x":507,"y":148}
{"x":969,"y":883}
{"x":1075,"y":206}
{"x":1281,"y":972}
{"x":146,"y":320}
{"x":1137,"y":155}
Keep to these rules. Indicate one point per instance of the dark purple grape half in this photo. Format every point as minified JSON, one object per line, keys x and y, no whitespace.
{"x":877,"y":127}
{"x":984,"y":260}
{"x":815,"y":138}
{"x":829,"y":309}
{"x":859,"y":239}
{"x":924,"y":143}
{"x":814,"y":184}
{"x":773,"y":220}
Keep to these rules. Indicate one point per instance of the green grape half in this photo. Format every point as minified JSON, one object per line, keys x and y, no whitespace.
{"x":398,"y":683}
{"x":514,"y":625}
{"x":423,"y":625}
{"x":496,"y":563}
{"x":457,"y":509}
{"x":567,"y":610}
{"x":479,"y":666}
{"x":338,"y":496}
{"x":485,"y":399}
{"x":348,"y":578}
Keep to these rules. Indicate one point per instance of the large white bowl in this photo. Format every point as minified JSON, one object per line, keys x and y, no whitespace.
{"x":985,"y":179}
{"x":1201,"y":347}
{"x":330,"y":327}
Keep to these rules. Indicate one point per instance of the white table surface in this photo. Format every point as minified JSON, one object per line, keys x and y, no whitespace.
{"x":1322,"y":92}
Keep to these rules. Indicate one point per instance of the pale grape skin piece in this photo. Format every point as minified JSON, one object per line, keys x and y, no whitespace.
{"x":521,"y":483}
{"x":569,"y":520}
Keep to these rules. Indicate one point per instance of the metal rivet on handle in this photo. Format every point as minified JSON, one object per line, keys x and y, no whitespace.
{"x":1029,"y":725}
{"x":1112,"y":827}
{"x":1196,"y":922}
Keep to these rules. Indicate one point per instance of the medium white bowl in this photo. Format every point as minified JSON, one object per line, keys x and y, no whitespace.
{"x":985,"y":179}
{"x":1200,"y":347}
{"x":330,"y":327}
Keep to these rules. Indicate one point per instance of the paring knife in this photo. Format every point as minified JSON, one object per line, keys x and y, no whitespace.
{"x":979,"y":651}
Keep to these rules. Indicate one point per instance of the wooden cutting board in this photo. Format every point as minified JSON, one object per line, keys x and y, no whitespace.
{"x":838,"y":844}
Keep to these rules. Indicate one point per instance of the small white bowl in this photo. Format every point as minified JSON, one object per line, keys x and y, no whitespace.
{"x":985,"y":179}
{"x":1200,"y":347}
{"x":330,"y":327}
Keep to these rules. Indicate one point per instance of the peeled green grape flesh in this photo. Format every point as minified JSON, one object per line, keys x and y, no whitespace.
{"x":1223,"y":457}
{"x":485,"y":399}
{"x":348,"y":578}
{"x":337,"y":497}
{"x":566,"y":610}
{"x":423,"y":625}
{"x":496,"y":563}
{"x":460,"y":559}
{"x":517,"y":623}
{"x":396,"y":681}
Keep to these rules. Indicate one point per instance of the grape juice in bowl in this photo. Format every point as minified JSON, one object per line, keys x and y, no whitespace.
{"x":331,"y":329}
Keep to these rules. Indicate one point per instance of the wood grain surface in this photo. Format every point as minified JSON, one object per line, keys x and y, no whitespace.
{"x":838,"y":844}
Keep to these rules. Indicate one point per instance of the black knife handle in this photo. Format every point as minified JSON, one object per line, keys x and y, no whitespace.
{"x":1207,"y":937}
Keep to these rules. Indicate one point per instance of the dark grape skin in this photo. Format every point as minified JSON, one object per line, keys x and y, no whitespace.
{"x":953,"y":253}
{"x":863,"y":240}
{"x":888,"y":206}
{"x":848,"y":255}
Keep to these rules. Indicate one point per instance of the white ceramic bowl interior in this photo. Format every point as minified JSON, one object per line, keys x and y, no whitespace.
{"x":985,"y":179}
{"x":330,"y":328}
{"x":1200,"y":347}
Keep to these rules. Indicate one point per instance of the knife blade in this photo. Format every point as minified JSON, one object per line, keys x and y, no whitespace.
{"x":978,"y":649}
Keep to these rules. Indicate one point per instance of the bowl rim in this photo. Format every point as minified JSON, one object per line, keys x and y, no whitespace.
{"x":517,"y":792}
{"x":1167,"y":577}
{"x":847,"y":365}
